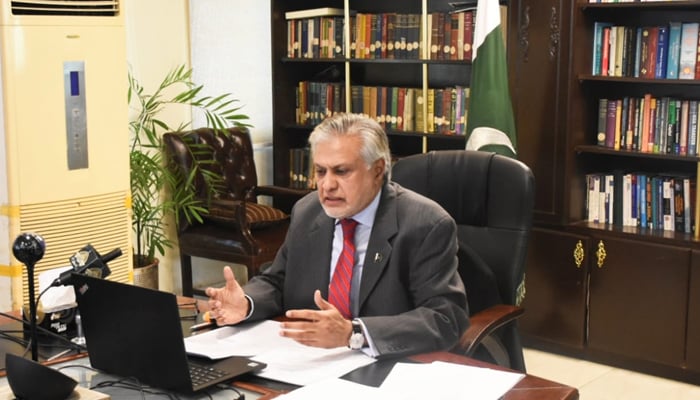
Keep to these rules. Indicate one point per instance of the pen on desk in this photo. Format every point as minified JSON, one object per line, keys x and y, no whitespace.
{"x":203,"y":325}
{"x":63,"y":353}
{"x":208,"y":323}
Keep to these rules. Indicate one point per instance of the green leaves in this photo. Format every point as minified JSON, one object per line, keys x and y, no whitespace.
{"x":156,"y":191}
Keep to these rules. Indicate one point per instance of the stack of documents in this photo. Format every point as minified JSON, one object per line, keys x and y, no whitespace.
{"x":318,"y":370}
{"x":287,"y":360}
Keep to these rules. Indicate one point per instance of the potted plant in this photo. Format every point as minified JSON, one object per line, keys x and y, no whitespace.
{"x":156,"y":191}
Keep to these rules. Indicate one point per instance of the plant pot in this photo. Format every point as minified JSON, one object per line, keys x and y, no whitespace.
{"x":147,"y":276}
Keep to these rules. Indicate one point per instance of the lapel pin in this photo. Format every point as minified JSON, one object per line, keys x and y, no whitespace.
{"x":377,"y":257}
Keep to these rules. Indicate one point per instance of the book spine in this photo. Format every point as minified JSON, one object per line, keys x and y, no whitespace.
{"x":618,"y":124}
{"x":391,"y":36}
{"x":460,"y":35}
{"x":661,"y":53}
{"x":651,"y":139}
{"x":418,"y":108}
{"x":597,"y":46}
{"x":612,"y":44}
{"x":430,"y":121}
{"x":683,"y":146}
{"x":674,"y":50}
{"x":468,"y":34}
{"x":610,"y":123}
{"x":605,"y":57}
{"x":631,"y":121}
{"x":689,"y":44}
{"x":693,"y":128}
{"x":602,"y":121}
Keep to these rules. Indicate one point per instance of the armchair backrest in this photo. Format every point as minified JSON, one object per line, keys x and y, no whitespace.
{"x":232,"y":154}
{"x":491,"y":199}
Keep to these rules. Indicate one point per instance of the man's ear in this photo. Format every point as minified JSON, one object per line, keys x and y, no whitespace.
{"x":379,"y":167}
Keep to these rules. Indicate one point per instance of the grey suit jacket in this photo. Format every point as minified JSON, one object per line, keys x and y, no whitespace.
{"x":411,"y":298}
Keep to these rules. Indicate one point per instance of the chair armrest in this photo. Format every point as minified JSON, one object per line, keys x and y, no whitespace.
{"x":484,"y":323}
{"x":269,"y":190}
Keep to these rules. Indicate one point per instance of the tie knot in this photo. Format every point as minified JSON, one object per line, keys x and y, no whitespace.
{"x":348,"y":225}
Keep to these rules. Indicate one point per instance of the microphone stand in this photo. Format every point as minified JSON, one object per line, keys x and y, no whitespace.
{"x":29,"y":248}
{"x":32,"y":314}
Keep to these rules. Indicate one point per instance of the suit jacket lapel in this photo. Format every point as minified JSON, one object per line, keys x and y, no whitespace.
{"x":379,"y":246}
{"x":321,"y":235}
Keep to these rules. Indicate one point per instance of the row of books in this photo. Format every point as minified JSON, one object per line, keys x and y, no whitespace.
{"x":382,"y":36}
{"x":648,"y":124}
{"x":657,"y":202}
{"x":301,"y":171}
{"x":395,"y":108}
{"x":650,"y":52}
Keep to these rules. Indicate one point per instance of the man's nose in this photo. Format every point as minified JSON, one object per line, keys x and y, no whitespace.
{"x":329,"y":182}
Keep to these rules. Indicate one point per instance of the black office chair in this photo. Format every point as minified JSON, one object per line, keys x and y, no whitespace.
{"x":491,"y":199}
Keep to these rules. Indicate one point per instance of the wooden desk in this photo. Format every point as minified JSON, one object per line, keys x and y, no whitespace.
{"x":529,"y":388}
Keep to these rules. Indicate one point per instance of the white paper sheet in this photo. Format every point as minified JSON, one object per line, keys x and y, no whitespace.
{"x":335,"y":389}
{"x":436,"y":381}
{"x":287,"y":360}
{"x":56,"y":298}
{"x":441,"y":380}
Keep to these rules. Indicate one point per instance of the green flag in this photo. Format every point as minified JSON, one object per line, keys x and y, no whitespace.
{"x":490,"y":122}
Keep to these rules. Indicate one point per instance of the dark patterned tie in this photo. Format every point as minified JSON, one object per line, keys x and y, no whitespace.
{"x":339,"y":291}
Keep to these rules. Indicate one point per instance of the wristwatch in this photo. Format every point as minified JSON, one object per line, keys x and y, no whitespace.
{"x":357,"y":338}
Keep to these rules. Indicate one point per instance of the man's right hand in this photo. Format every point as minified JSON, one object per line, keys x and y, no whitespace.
{"x":228,"y":305}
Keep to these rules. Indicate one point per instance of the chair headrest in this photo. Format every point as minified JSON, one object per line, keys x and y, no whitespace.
{"x":474,"y":187}
{"x":231,"y":151}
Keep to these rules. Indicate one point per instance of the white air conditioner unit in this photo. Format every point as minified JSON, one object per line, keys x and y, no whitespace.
{"x":64,"y":118}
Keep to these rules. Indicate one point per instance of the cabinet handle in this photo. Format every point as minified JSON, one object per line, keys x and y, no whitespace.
{"x":554,"y":34}
{"x":600,"y":253}
{"x":578,"y":254}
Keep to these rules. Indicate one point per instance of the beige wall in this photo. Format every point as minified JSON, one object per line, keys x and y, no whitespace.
{"x":227,"y":42}
{"x":158,"y":40}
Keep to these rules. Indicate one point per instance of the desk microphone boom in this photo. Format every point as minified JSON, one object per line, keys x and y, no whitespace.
{"x":89,"y":262}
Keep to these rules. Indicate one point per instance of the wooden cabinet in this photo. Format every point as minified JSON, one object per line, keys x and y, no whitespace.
{"x":693,"y":335}
{"x":638,"y":303}
{"x":556,"y":283}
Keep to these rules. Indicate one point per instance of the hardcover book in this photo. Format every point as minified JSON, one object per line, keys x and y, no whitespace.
{"x":689,"y":45}
{"x":314,"y":12}
{"x":674,"y":50}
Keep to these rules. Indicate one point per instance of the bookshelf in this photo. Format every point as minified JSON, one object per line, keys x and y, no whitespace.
{"x":410,"y":73}
{"x":619,"y":293}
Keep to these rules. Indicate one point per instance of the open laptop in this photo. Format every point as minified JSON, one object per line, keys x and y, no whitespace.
{"x":136,"y":332}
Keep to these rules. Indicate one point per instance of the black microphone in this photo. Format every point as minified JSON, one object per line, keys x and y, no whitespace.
{"x":29,"y":379}
{"x":29,"y":248}
{"x":89,"y":262}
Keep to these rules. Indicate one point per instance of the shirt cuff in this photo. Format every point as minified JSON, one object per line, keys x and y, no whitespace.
{"x":252,"y":307}
{"x":370,"y":350}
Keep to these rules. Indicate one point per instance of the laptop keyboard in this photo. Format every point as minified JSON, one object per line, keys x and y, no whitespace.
{"x":201,"y":374}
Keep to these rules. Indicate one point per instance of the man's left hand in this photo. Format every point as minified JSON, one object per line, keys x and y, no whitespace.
{"x":325,"y":327}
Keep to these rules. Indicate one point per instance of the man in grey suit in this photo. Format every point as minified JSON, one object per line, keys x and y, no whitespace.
{"x":405,"y":294}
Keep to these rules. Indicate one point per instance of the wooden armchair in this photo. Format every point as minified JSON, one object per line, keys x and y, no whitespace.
{"x":491,"y":198}
{"x":237,"y":228}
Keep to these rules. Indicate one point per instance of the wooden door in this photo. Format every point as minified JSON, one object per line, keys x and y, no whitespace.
{"x":638,"y":300}
{"x":555,"y":300}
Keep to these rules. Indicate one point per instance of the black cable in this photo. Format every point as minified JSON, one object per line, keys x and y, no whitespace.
{"x":71,"y":345}
{"x":54,"y":335}
{"x":42,"y":293}
{"x":239,"y":395}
